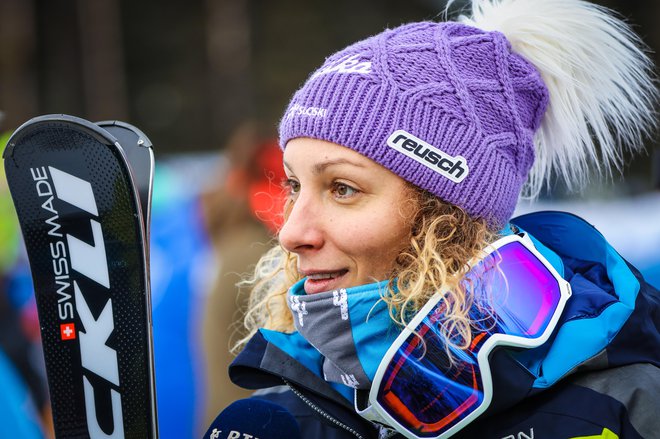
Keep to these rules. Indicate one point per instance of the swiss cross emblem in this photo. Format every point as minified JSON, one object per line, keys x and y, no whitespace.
{"x":67,"y":331}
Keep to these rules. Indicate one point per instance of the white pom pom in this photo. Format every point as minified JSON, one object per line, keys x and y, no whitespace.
{"x":601,"y":83}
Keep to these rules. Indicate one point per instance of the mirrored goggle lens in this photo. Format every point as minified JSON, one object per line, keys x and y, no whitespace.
{"x":425,"y":392}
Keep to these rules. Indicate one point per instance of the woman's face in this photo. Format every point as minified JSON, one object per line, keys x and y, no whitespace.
{"x":345,"y":222}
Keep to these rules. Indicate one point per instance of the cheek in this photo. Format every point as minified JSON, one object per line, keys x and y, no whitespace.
{"x":376,"y":244}
{"x":394,"y":238}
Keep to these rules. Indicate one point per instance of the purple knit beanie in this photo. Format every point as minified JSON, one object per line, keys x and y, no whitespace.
{"x":445,"y":106}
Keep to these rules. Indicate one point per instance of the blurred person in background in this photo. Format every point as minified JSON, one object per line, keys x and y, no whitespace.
{"x":405,"y":155}
{"x":24,"y":403}
{"x":242,"y":212}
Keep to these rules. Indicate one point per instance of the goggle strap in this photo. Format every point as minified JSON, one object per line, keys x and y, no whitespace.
{"x":365,"y":409}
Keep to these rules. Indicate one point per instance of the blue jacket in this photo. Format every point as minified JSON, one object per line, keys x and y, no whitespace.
{"x":598,"y":377}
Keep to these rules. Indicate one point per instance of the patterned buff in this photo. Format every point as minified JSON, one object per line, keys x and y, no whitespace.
{"x":446,"y":106}
{"x":350,"y":327}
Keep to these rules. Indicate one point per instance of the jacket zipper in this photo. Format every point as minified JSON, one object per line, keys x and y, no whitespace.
{"x":320,"y":411}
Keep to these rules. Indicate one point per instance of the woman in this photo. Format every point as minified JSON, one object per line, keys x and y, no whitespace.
{"x":380,"y":311}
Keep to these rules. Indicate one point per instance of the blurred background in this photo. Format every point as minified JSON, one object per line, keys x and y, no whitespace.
{"x":207,"y":81}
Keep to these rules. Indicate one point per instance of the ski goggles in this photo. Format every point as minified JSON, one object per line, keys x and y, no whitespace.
{"x":423,"y":393}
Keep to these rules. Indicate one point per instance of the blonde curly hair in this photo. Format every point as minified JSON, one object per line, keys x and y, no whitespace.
{"x":443,"y":241}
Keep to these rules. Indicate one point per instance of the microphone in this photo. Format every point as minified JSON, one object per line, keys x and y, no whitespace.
{"x":253,"y":418}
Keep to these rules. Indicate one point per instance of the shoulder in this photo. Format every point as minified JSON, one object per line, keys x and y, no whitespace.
{"x":624,"y":380}
{"x":633,"y":389}
{"x":622,"y":400}
{"x":616,"y":403}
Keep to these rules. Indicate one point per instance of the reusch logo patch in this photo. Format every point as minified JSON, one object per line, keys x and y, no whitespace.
{"x":454,"y":168}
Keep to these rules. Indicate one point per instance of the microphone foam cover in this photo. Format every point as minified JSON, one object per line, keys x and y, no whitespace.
{"x":253,"y":418}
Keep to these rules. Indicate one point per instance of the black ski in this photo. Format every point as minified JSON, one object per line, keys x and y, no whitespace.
{"x":85,"y":227}
{"x":138,"y":150}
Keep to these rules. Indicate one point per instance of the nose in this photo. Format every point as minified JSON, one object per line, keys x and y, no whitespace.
{"x":302,"y":230}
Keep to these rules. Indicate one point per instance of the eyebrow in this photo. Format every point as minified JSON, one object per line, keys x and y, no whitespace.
{"x":320,"y":167}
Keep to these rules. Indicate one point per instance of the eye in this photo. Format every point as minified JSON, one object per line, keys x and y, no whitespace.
{"x":342,"y":190}
{"x":292,"y":186}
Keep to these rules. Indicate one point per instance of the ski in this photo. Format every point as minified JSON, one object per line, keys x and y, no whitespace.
{"x":82,"y":193}
{"x":139,"y":153}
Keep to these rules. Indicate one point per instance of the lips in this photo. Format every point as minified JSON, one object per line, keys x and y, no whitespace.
{"x":321,"y":276}
{"x":319,"y":281}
